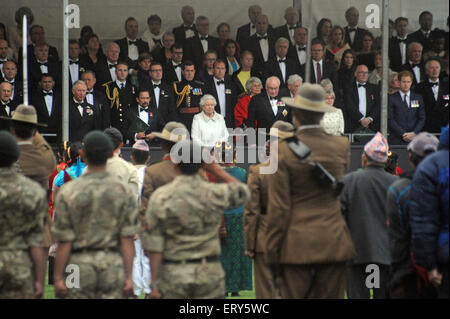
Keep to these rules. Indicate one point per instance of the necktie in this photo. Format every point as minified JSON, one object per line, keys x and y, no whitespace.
{"x":361,"y":85}
{"x":203,"y":38}
{"x":156,"y":41}
{"x":262,"y":38}
{"x":122,"y":86}
{"x":188,"y":28}
{"x":405,"y":101}
{"x":73,"y":62}
{"x":253,"y":26}
{"x":44,"y":64}
{"x":48,"y":93}
{"x":292,"y":28}
{"x":131,"y":42}
{"x":1,"y":62}
{"x":433,"y":84}
{"x":282,"y":61}
{"x":143,"y":109}
{"x":401,"y":40}
{"x":273,"y":98}
{"x":351,"y":30}
{"x":177,"y":66}
{"x":221,"y":82}
{"x":319,"y":73}
{"x":89,"y":92}
{"x":156,"y":86}
{"x":112,"y":66}
{"x":302,"y":49}
{"x":415,"y":65}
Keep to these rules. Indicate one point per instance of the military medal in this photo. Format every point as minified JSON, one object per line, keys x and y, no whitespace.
{"x":284,"y":113}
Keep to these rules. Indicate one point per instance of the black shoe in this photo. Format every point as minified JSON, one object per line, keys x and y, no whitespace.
{"x":235,"y":294}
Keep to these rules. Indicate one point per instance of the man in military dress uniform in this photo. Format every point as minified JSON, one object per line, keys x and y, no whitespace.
{"x":184,"y":256}
{"x":96,"y":223}
{"x":22,"y":213}
{"x":120,"y":96}
{"x":188,"y":94}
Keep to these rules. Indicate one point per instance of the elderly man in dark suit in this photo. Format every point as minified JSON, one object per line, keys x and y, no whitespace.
{"x":247,"y":30}
{"x":353,"y":34}
{"x":187,"y":29}
{"x":7,"y":106}
{"x":424,"y":35}
{"x":97,"y":97}
{"x":10,"y":75}
{"x":105,"y":71}
{"x":83,"y":117}
{"x":48,"y":105}
{"x":435,"y":94}
{"x":37,"y":37}
{"x":196,"y":47}
{"x":307,"y":240}
{"x":406,"y":112}
{"x":362,"y":103}
{"x":287,"y":30}
{"x":297,"y":51}
{"x":363,"y":201}
{"x":41,"y":65}
{"x":130,"y":46}
{"x":414,"y":63}
{"x":266,"y":108}
{"x":281,"y":66}
{"x":224,"y":91}
{"x":262,"y":43}
{"x":398,"y":45}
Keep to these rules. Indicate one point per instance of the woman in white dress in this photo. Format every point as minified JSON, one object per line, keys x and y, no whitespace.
{"x":208,"y":127}
{"x":333,"y":122}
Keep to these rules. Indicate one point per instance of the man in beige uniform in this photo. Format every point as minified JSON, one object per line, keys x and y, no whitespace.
{"x":255,"y":225}
{"x":307,"y":235}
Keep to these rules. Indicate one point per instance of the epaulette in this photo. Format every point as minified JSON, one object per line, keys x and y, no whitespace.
{"x":199,"y":82}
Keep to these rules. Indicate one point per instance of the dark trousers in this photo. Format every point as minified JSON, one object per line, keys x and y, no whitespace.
{"x":356,"y":282}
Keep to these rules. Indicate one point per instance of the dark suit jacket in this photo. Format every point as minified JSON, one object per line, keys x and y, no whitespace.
{"x":82,"y":67}
{"x":418,"y":36}
{"x":155,"y":121}
{"x":252,"y":44}
{"x":260,"y":113}
{"x":79,"y":125}
{"x":408,"y":67}
{"x":230,"y":98}
{"x":351,"y":107}
{"x":52,"y":54}
{"x":357,"y":42}
{"x":17,"y":89}
{"x":53,"y":120}
{"x":239,"y":88}
{"x":180,"y":34}
{"x":169,"y":74}
{"x":142,"y":47}
{"x":243,"y":34}
{"x":194,"y":50}
{"x":283,"y":32}
{"x":34,"y":71}
{"x":4,"y":124}
{"x":395,"y":56}
{"x":166,"y":109}
{"x":102,"y":73}
{"x":402,"y":119}
{"x":272,"y":68}
{"x":101,"y":103}
{"x":328,"y":72}
{"x":436,"y":111}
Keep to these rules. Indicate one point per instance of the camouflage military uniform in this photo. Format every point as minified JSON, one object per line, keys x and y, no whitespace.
{"x":188,"y":95}
{"x":183,"y":219}
{"x":94,"y":212}
{"x":23,"y":208}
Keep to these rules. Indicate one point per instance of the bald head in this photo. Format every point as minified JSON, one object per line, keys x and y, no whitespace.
{"x":273,"y":86}
{"x":415,"y":50}
{"x":291,"y":16}
{"x":362,"y":73}
{"x":3,"y":49}
{"x":112,"y":52}
{"x":253,"y":12}
{"x":262,"y":24}
{"x":352,"y":16}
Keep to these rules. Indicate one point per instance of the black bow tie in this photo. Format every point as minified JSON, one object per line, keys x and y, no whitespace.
{"x":177,"y":66}
{"x":253,"y":26}
{"x":401,"y":40}
{"x":302,"y":49}
{"x":282,"y":61}
{"x":112,"y":66}
{"x":48,"y":93}
{"x":415,"y":65}
{"x":189,"y":28}
{"x":6,"y":103}
{"x":156,"y":40}
{"x":351,"y":30}
{"x":273,"y":98}
{"x":143,"y":109}
{"x":262,"y":38}
{"x":73,"y":62}
{"x":361,"y":85}
{"x":43,"y":64}
{"x":1,"y":62}
{"x":220,"y":82}
{"x":292,"y":28}
{"x":434,"y":84}
{"x":203,"y":38}
{"x":156,"y":85}
{"x":131,"y":42}
{"x":89,"y":92}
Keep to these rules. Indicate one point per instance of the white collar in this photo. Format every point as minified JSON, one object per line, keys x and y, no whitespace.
{"x":4,"y":103}
{"x":154,"y":83}
{"x":119,"y":83}
{"x":437,"y":81}
{"x":76,"y":102}
{"x":403,"y":94}
{"x":215,"y":117}
{"x":128,"y":39}
{"x":109,"y":63}
{"x":318,"y":61}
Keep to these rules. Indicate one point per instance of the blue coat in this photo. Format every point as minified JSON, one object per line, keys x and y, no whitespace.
{"x":402,"y":119}
{"x":429,"y":208}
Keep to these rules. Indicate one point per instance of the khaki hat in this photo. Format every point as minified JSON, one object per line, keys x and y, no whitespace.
{"x":310,"y":97}
{"x":173,"y":132}
{"x":282,"y":129}
{"x":24,"y":113}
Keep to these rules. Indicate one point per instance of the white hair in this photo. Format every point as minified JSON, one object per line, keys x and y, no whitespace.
{"x":207,"y":97}
{"x":294,"y":78}
{"x":275,"y":78}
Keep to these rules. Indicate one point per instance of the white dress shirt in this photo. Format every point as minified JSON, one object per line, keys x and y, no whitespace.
{"x":112,"y":71}
{"x":351,"y":34}
{"x":301,"y":54}
{"x":291,"y":33}
{"x":282,"y":67}
{"x":157,"y":91}
{"x":90,"y":97}
{"x":264,"y":44}
{"x":435,"y":89}
{"x":204,"y":43}
{"x":220,"y":89}
{"x":177,"y":70}
{"x":80,"y":108}
{"x":7,"y":108}
{"x":133,"y":52}
{"x":44,"y":69}
{"x":119,"y":84}
{"x":143,"y":115}
{"x":408,"y":97}
{"x":49,"y":102}
{"x":1,"y":66}
{"x":207,"y":131}
{"x":416,"y":71}
{"x":74,"y":72}
{"x":274,"y":104}
{"x":252,"y":29}
{"x":189,"y":33}
{"x":403,"y":49}
{"x":362,"y":100}
{"x":315,"y":68}
{"x":150,"y":39}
